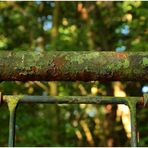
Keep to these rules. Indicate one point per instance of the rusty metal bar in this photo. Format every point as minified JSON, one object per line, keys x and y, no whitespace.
{"x":72,"y":66}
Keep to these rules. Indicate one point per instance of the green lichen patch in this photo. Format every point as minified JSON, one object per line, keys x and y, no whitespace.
{"x":126,"y":63}
{"x":12,"y":101}
{"x":145,"y":61}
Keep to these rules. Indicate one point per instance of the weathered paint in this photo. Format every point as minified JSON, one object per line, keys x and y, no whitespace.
{"x":85,"y":66}
{"x":75,"y":99}
{"x":15,"y":99}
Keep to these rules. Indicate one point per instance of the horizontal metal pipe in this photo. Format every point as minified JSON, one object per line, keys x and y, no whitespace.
{"x":72,"y":66}
{"x":73,"y":99}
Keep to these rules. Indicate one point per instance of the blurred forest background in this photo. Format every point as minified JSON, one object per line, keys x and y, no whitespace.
{"x":65,"y":26}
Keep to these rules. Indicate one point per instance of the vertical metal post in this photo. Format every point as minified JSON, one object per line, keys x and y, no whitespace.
{"x":11,"y":140}
{"x":12,"y":104}
{"x":132,"y":107}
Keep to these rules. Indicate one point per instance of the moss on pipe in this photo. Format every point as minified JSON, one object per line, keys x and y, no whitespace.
{"x":72,"y":66}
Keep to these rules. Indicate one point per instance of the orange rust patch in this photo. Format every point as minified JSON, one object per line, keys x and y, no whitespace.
{"x":33,"y":68}
{"x":121,"y":55}
{"x":59,"y":61}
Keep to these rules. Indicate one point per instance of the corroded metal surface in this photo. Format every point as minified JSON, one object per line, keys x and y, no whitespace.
{"x":14,"y":100}
{"x":71,"y":66}
{"x":74,"y":99}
